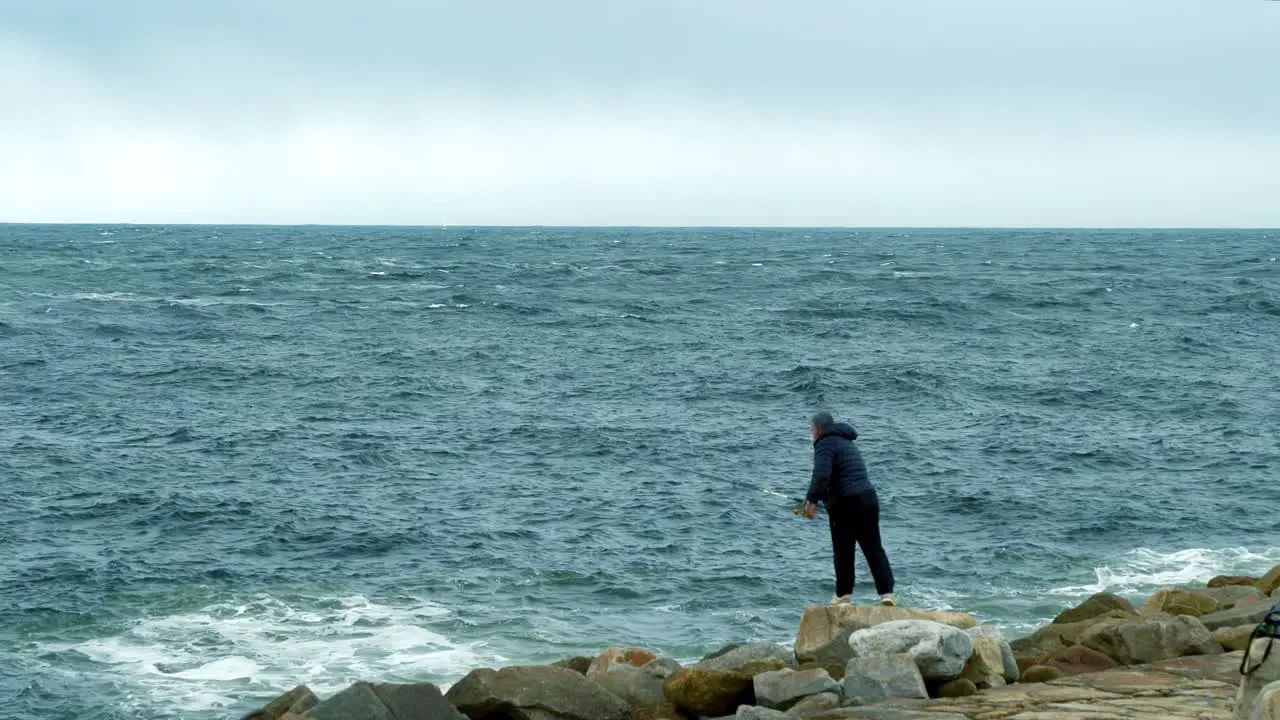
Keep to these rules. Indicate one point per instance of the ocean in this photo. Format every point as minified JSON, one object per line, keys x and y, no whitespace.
{"x":240,"y":458}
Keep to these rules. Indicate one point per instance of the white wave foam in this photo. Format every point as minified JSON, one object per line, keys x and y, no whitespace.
{"x":215,"y":657}
{"x":1143,"y":570}
{"x":97,"y":297}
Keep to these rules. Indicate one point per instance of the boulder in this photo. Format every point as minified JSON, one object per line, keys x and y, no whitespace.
{"x":1232,"y":595}
{"x":642,"y":688}
{"x":1046,"y":641}
{"x":1251,"y":702}
{"x":782,"y":689}
{"x":535,"y":693}
{"x":1041,"y":674}
{"x":958,"y":688}
{"x":878,"y":678}
{"x":1266,"y":706}
{"x":1234,"y":639}
{"x":737,"y":656}
{"x":297,"y":700}
{"x":386,"y":701}
{"x":1080,"y":660}
{"x":1144,"y":640}
{"x":613,"y":657}
{"x":1271,"y":581}
{"x":1097,"y":605}
{"x":825,"y":629}
{"x":662,"y":667}
{"x":579,"y":665}
{"x":985,"y":666}
{"x":814,"y":705}
{"x":357,"y":702}
{"x":1233,"y":580}
{"x":710,"y":693}
{"x":418,"y":701}
{"x":1243,"y":614}
{"x":940,"y":651}
{"x":717,"y":653}
{"x":1177,"y":601}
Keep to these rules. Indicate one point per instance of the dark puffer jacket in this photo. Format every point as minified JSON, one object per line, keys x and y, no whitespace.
{"x":838,"y":469}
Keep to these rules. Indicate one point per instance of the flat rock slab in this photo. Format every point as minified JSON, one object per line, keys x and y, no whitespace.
{"x":1223,"y":668}
{"x":1188,"y":689}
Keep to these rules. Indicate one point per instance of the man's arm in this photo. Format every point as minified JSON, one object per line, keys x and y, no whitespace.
{"x":823,"y":456}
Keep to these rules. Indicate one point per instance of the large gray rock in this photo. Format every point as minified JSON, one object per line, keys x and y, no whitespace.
{"x":357,"y":702}
{"x":297,"y":700}
{"x":641,"y":688}
{"x":386,"y":701}
{"x":420,"y":701}
{"x":823,"y":638}
{"x":662,"y":667}
{"x":782,"y":689}
{"x":940,"y":651}
{"x":875,"y":679}
{"x":535,"y":693}
{"x":738,"y":656}
{"x":1251,"y":704}
{"x":1243,"y":614}
{"x":1097,"y":605}
{"x":1139,"y":641}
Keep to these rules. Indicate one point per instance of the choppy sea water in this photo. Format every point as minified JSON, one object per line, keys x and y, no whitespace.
{"x":238,"y":458}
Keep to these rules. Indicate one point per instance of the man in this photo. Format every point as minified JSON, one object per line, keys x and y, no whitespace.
{"x":853,"y":509}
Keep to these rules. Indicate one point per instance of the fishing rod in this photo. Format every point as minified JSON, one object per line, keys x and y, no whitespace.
{"x":798,"y":502}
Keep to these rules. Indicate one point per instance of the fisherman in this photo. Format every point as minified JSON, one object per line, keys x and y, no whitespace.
{"x":853,"y":509}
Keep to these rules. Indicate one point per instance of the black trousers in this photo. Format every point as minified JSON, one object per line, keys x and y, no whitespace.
{"x":855,"y":520}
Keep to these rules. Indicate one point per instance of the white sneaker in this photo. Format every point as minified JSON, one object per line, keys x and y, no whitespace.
{"x":888,"y":601}
{"x":840,"y":600}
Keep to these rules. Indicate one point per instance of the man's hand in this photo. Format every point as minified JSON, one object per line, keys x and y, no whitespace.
{"x":808,"y":511}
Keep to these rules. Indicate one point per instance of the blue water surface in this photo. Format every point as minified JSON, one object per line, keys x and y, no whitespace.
{"x":239,"y":458}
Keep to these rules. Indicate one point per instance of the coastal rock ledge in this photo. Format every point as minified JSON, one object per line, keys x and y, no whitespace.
{"x":1169,"y":659}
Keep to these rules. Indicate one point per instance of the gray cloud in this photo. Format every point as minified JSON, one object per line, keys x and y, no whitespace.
{"x":929,"y":112}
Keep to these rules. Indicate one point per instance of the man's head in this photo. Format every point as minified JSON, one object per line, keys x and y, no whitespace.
{"x":821,"y":423}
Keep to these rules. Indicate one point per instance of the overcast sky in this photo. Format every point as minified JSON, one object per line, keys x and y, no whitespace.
{"x":642,"y":112}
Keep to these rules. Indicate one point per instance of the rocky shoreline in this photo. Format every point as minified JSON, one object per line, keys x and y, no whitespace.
{"x":1176,"y":656}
